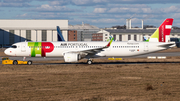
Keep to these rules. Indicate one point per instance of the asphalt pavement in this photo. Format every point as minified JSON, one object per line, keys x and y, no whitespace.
{"x":61,"y":58}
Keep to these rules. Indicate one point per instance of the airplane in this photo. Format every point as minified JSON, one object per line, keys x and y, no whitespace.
{"x":110,"y":38}
{"x":60,"y":37}
{"x":145,"y":39}
{"x":75,"y":51}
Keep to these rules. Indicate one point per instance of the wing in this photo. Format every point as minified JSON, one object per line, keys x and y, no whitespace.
{"x":92,"y":51}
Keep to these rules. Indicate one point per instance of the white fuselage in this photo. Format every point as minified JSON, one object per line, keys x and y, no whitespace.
{"x":120,"y":49}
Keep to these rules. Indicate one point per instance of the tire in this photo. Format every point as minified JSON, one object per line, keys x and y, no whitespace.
{"x":15,"y":62}
{"x":29,"y":62}
{"x":89,"y":62}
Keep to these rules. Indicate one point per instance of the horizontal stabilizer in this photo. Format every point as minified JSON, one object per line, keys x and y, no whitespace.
{"x":168,"y":45}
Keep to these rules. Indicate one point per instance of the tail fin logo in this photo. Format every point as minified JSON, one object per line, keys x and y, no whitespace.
{"x":168,"y":26}
{"x":163,"y":32}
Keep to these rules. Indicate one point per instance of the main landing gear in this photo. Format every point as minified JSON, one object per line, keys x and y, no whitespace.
{"x":89,"y":61}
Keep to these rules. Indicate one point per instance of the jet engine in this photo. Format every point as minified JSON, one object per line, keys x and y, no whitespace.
{"x":72,"y":57}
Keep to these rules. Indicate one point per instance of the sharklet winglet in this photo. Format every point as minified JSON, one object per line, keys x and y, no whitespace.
{"x":109,"y":44}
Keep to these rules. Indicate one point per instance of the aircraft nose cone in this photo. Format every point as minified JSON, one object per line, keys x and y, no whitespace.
{"x":8,"y":52}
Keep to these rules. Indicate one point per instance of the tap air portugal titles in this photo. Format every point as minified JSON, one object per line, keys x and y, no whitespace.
{"x":74,"y":51}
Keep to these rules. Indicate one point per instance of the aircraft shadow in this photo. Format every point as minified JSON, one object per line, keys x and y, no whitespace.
{"x":97,"y":63}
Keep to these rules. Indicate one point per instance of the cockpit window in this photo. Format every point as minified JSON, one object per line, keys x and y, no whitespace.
{"x":13,"y":46}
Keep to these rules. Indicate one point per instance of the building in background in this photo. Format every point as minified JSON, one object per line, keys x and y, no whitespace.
{"x":72,"y":35}
{"x":12,"y":31}
{"x":135,"y":34}
{"x":97,"y":37}
{"x":105,"y":34}
{"x":84,"y":31}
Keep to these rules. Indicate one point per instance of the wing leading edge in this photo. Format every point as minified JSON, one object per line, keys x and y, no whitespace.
{"x":92,"y":51}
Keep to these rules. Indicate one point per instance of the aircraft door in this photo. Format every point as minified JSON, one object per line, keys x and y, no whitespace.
{"x":23,"y":47}
{"x":146,"y":47}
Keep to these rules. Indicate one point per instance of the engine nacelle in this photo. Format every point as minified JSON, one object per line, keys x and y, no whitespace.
{"x":72,"y":57}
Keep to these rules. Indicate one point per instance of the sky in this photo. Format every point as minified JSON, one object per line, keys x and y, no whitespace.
{"x":100,"y":13}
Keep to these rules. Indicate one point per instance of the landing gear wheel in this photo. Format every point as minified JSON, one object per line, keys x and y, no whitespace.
{"x":89,"y":62}
{"x":29,"y":62}
{"x":15,"y":62}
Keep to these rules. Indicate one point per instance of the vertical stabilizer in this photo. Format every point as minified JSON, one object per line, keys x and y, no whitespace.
{"x":163,"y":32}
{"x":60,"y":36}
